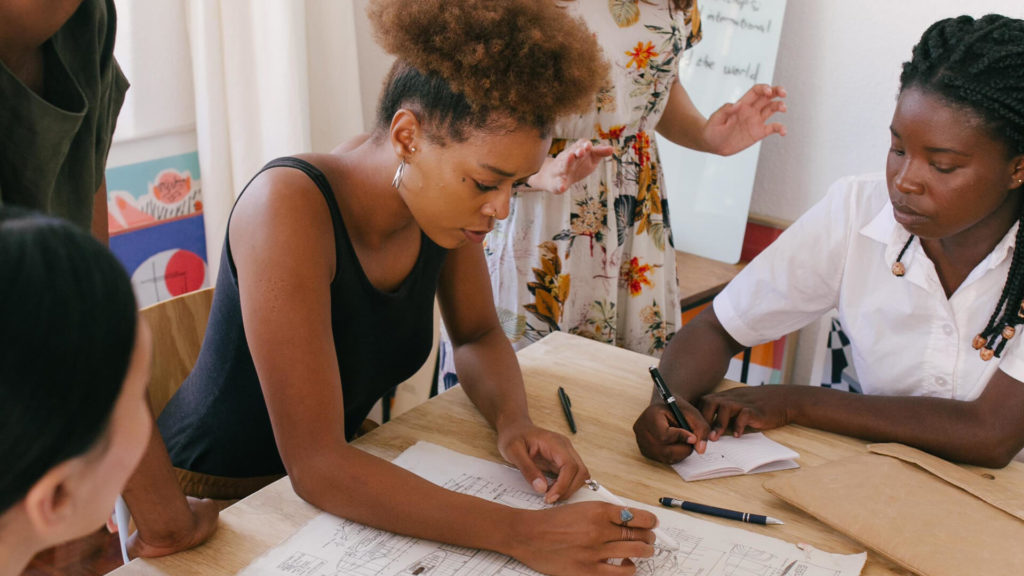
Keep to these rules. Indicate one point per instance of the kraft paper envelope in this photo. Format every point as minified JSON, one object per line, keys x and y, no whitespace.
{"x":928,"y":515}
{"x":1003,"y":488}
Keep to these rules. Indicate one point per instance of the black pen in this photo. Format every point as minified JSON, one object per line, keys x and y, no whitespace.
{"x":720,"y":512}
{"x":659,"y":383}
{"x":566,"y":408}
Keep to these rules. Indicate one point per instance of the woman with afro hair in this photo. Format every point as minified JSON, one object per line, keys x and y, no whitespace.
{"x":331,"y":265}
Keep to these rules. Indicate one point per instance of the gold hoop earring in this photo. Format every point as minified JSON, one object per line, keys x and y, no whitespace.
{"x":396,"y":182}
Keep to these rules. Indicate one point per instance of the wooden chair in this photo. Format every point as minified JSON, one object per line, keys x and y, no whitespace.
{"x":178,"y":326}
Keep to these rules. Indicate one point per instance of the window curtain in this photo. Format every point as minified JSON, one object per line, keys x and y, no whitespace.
{"x":271,"y":78}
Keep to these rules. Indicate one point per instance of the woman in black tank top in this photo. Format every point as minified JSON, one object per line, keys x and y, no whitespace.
{"x":331,"y":265}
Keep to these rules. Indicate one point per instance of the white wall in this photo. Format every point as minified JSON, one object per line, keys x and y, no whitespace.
{"x":840,"y":62}
{"x":335,"y":95}
{"x":374,"y":64}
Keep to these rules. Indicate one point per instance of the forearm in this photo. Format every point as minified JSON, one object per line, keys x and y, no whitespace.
{"x":490,"y":375}
{"x":697,"y":357}
{"x":363,"y":488}
{"x":159,"y":508}
{"x":952,"y":429}
{"x":682,"y":123}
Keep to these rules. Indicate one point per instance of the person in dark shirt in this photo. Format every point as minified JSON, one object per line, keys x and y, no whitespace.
{"x":60,"y":93}
{"x":331,"y":264}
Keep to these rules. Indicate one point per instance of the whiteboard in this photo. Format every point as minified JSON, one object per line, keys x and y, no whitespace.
{"x":709,"y":195}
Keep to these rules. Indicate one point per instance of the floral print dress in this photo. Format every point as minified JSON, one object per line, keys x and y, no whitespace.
{"x":598,"y":261}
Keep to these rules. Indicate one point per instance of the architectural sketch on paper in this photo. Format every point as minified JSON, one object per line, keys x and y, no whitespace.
{"x":332,"y":546}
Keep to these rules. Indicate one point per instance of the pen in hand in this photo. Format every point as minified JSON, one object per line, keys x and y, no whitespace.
{"x":659,"y":383}
{"x":566,"y":404}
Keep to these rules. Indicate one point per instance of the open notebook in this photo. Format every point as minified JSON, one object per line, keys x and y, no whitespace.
{"x":751,"y":453}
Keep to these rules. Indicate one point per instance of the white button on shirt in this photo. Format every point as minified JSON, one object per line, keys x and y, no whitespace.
{"x":906,"y":337}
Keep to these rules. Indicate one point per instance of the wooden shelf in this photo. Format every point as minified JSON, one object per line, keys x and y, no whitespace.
{"x":700,"y":279}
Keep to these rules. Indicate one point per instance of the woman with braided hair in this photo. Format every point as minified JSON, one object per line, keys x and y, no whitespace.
{"x":922,"y":264}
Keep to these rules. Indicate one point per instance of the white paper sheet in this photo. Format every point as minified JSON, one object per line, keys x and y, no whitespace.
{"x":752,"y":453}
{"x":331,"y":546}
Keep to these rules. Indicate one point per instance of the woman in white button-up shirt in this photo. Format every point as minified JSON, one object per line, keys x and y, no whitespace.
{"x":920,"y":264}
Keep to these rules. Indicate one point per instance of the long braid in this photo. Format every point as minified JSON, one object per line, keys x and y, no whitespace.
{"x":979,"y":64}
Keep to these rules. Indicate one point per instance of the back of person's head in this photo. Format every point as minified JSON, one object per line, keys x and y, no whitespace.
{"x":977,"y":65}
{"x":67,"y":334}
{"x":467,"y":65}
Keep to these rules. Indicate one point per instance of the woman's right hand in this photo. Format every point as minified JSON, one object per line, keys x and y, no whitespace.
{"x":203,"y":525}
{"x":580,"y":539}
{"x":659,"y":437}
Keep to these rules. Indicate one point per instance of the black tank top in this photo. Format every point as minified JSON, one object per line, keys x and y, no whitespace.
{"x":217,"y":423}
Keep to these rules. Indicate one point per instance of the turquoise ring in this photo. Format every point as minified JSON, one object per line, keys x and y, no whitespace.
{"x":625,"y":516}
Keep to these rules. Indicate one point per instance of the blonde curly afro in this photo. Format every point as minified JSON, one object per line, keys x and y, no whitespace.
{"x":482,"y":63}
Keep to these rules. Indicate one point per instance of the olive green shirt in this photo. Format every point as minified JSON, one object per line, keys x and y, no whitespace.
{"x":53,"y":148}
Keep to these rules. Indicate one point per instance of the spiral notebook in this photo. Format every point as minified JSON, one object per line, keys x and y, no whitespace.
{"x":751,"y":453}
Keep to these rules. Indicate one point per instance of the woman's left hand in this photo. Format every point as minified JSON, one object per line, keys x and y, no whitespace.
{"x":573,"y":164}
{"x":736,"y":126}
{"x":535,"y":450}
{"x":757,"y":407}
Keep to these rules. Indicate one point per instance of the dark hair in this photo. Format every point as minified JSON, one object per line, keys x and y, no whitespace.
{"x":978,"y":64}
{"x":67,"y":331}
{"x":479,"y":64}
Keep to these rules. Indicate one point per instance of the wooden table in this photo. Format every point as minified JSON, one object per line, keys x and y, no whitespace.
{"x":701,"y":279}
{"x":609,"y":387}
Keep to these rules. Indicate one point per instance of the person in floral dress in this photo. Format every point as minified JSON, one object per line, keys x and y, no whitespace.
{"x":587,"y":247}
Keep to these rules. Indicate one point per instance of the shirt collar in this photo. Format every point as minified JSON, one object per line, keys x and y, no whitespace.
{"x":884,"y":228}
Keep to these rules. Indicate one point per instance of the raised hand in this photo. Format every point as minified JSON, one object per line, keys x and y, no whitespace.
{"x":738,"y":125}
{"x":571,"y":165}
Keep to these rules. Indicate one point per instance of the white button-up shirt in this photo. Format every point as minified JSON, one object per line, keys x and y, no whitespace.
{"x":906,"y":337}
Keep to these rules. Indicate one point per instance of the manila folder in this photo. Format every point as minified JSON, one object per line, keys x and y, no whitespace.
{"x":928,"y":515}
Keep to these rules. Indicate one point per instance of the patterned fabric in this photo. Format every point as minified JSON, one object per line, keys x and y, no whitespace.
{"x":597,"y":261}
{"x":838,"y":372}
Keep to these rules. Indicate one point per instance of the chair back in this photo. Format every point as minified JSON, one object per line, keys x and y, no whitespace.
{"x":178,"y":326}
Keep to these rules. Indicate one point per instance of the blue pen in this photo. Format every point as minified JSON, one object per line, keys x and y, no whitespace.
{"x":719,"y":512}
